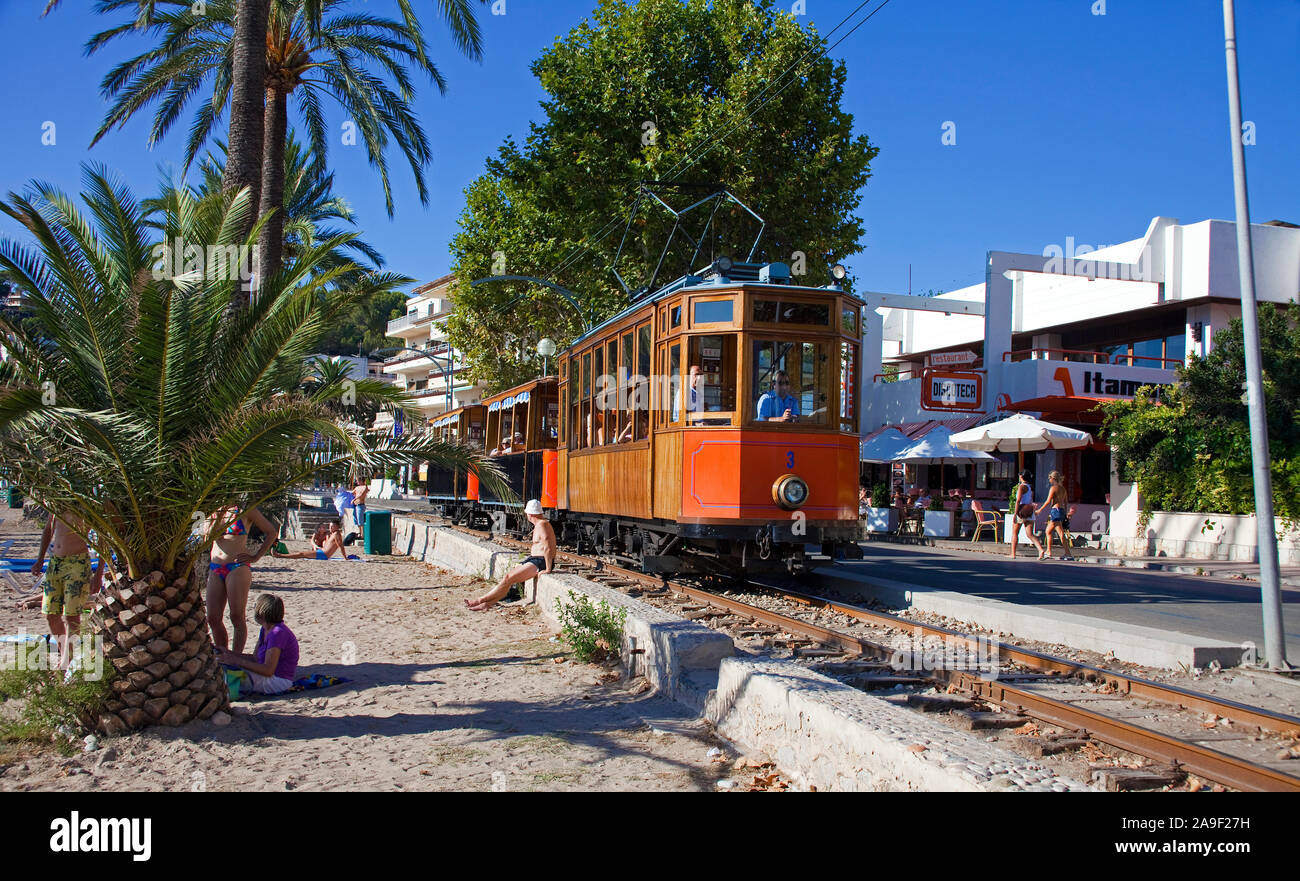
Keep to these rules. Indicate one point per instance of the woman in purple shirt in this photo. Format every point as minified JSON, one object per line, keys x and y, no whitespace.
{"x":271,"y":669}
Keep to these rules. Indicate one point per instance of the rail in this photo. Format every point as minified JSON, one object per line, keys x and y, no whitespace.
{"x":1085,"y":356}
{"x":1037,"y":353}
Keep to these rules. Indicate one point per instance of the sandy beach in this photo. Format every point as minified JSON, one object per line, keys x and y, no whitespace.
{"x":440,"y":698}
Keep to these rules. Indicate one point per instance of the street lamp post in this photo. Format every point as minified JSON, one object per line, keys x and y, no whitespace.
{"x":447,"y":362}
{"x":1269,"y":580}
{"x":545,"y":348}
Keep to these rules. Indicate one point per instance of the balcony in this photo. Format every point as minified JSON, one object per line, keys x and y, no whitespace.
{"x":440,"y":349}
{"x":407,"y":321}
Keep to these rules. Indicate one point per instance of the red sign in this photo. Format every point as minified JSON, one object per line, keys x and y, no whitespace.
{"x":951,"y":390}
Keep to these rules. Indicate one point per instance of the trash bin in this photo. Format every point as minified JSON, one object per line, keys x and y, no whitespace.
{"x":15,"y":497}
{"x":379,"y":532}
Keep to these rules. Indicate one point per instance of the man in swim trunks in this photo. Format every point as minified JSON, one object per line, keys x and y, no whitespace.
{"x":541,"y":559}
{"x":69,"y":581}
{"x":230,"y":573}
{"x":328,"y":546}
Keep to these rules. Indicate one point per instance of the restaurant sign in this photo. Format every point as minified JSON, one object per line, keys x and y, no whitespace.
{"x":950,"y":359}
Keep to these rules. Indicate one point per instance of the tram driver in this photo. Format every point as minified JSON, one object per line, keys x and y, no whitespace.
{"x":778,"y":405}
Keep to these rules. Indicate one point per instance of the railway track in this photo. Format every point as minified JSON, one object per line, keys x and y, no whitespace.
{"x":808,"y":639}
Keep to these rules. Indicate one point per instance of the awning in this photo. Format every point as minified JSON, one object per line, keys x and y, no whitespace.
{"x":1070,"y":408}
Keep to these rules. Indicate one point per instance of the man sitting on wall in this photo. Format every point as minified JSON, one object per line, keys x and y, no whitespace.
{"x":779,"y":405}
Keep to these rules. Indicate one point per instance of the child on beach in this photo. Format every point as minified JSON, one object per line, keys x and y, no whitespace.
{"x":275,"y":662}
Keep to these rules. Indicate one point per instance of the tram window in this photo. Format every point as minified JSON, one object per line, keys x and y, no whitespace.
{"x":786,"y":312}
{"x":849,"y":321}
{"x":550,"y":424}
{"x":790,"y":382}
{"x":627,"y":405}
{"x":609,"y":405}
{"x":675,"y":380}
{"x":711,"y":312}
{"x":641,"y":399}
{"x":564,"y":408}
{"x":848,"y":387}
{"x":507,"y":425}
{"x":675,"y":316}
{"x":711,"y":379}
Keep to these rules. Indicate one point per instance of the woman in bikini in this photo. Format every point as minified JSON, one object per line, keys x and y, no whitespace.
{"x":230,"y":573}
{"x":1058,"y":504}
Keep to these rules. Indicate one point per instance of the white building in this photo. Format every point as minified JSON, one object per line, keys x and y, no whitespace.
{"x":433,"y":372}
{"x":1055,"y":333}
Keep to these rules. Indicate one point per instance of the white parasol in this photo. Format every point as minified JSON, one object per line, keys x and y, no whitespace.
{"x":884,"y":447}
{"x":1020,"y":434}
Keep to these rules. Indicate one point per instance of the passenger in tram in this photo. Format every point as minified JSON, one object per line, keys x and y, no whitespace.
{"x":779,"y":405}
{"x":694,"y":389}
{"x":595,"y":429}
{"x":625,"y":435}
{"x":499,"y":450}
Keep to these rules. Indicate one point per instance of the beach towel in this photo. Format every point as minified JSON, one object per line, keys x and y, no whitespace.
{"x":303,"y":683}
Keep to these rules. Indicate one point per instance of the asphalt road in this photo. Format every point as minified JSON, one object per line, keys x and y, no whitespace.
{"x":1226,"y":610}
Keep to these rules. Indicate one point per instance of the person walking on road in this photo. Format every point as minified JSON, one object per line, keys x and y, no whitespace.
{"x":1057,"y":504}
{"x":1022,"y":514}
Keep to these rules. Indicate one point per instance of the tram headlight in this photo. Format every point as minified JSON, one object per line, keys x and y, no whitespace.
{"x":790,"y":492}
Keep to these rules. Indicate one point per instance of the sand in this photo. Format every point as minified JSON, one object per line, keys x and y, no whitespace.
{"x":440,"y":698}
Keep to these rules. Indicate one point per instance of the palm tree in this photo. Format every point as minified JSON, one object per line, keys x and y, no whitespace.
{"x":311,"y":207}
{"x":315,"y":49}
{"x":150,"y":404}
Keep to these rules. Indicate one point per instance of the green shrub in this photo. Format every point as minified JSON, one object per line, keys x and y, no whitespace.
{"x":593,"y":630}
{"x":52,"y":709}
{"x":880,"y":497}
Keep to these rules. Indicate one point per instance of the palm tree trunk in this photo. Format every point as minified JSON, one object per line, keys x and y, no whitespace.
{"x":270,"y":245}
{"x":155,"y":636}
{"x":244,"y":152}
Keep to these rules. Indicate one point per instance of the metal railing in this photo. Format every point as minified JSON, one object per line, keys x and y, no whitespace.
{"x":1086,"y":357}
{"x":408,"y":321}
{"x":433,"y":350}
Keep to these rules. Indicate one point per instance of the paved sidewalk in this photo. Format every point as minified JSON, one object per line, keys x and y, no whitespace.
{"x":1219,"y":607}
{"x":1237,"y":570}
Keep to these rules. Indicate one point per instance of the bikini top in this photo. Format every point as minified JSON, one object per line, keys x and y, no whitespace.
{"x":236,"y":528}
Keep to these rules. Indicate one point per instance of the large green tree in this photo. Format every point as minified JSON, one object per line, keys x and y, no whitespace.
{"x":682,"y":90}
{"x":1188,"y":447}
{"x":150,"y":404}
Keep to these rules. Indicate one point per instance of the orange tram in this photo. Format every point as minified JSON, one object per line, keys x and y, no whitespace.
{"x":711,"y":427}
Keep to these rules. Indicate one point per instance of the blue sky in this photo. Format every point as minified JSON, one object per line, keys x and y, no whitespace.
{"x":1067,"y":123}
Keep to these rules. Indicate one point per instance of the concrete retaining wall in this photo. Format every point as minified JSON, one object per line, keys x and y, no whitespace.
{"x":820,"y":732}
{"x":834,"y":737}
{"x":1205,"y":537}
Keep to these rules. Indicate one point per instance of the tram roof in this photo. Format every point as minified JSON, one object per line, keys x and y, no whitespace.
{"x":519,"y":394}
{"x":740,"y":276}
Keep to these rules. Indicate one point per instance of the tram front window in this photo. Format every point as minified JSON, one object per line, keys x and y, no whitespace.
{"x":790,"y":381}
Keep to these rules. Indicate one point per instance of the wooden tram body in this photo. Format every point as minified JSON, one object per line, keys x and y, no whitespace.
{"x":653,"y":445}
{"x":664,"y":459}
{"x":527,"y":418}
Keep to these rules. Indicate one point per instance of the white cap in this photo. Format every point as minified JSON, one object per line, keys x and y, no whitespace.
{"x":533,"y":507}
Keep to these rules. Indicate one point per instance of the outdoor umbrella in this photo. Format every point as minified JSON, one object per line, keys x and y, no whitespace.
{"x":936,"y":448}
{"x":884,"y":447}
{"x":1021,"y":434}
